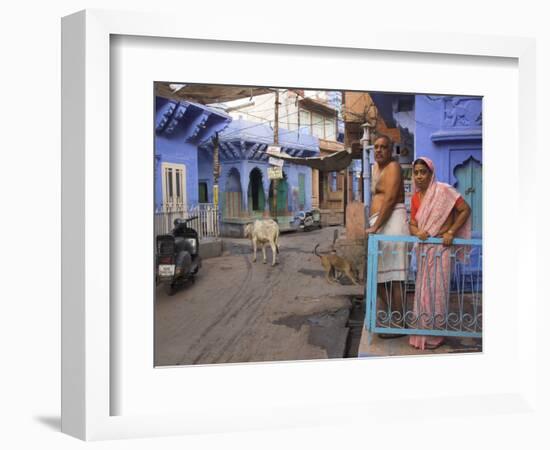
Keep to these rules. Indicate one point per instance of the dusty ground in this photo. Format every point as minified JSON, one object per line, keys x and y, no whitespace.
{"x":240,"y":311}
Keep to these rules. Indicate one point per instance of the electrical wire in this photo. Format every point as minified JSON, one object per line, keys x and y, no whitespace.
{"x":266,"y":121}
{"x":263,"y":121}
{"x":285,"y":105}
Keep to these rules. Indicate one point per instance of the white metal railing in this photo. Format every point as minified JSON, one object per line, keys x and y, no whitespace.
{"x":205,"y":218}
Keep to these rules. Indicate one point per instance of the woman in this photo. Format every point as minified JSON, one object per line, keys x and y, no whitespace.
{"x":437,"y":210}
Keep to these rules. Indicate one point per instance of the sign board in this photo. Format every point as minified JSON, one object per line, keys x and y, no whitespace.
{"x":273,"y":150}
{"x":275,"y":173}
{"x":276,"y":162}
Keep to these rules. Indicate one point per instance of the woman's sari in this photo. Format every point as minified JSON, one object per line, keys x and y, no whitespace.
{"x":434,"y":261}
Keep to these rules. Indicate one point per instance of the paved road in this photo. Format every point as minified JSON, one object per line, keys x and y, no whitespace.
{"x":240,"y":311}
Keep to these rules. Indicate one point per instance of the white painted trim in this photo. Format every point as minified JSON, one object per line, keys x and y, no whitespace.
{"x":183,"y":186}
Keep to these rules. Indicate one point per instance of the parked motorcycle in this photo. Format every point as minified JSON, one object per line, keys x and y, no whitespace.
{"x":177,"y":258}
{"x":308,"y":220}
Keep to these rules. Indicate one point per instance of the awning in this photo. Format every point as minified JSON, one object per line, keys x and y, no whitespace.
{"x":327,"y":163}
{"x":206,"y":93}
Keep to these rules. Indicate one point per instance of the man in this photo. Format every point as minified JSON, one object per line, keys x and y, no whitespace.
{"x":388,"y":215}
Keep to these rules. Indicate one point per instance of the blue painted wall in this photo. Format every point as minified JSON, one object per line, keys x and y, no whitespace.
{"x":180,"y":128}
{"x":292,"y":174}
{"x":179,"y":152}
{"x":206,"y":168}
{"x":243,"y":136}
{"x":448,"y":131}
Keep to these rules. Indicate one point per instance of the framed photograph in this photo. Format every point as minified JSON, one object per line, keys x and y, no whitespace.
{"x":221,"y":192}
{"x":187,"y":152}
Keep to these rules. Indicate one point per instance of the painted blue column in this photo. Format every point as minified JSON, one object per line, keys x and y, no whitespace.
{"x":245,"y":180}
{"x":266,"y":181}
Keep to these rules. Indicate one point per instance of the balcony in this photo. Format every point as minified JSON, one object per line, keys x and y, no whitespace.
{"x":441,"y":291}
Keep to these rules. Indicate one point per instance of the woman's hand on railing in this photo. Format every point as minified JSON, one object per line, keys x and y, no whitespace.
{"x":447,"y":238}
{"x":422,"y":235}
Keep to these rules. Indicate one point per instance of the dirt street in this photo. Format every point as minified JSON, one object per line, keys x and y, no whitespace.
{"x":240,"y":311}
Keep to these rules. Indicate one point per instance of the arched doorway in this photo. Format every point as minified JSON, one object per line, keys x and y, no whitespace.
{"x":232,"y":196}
{"x":256,"y":196}
{"x":469,"y":184}
{"x":282,"y":197}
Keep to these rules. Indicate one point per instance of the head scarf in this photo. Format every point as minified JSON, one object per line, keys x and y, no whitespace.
{"x":437,"y":203}
{"x":430,"y":165}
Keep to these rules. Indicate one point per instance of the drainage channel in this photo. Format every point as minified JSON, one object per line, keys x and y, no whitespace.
{"x":355,"y":324}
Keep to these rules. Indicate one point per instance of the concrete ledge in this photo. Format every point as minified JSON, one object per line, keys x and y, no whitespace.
{"x":210,"y":248}
{"x":400,"y":346}
{"x":233,"y":229}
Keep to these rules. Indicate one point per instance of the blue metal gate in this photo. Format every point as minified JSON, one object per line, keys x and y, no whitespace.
{"x":441,"y":291}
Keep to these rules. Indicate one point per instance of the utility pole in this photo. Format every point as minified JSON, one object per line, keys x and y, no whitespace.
{"x":276,"y":142}
{"x":365,"y":140}
{"x":346,"y":170}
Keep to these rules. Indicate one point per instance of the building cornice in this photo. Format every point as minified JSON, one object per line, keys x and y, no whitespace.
{"x":456,"y":135}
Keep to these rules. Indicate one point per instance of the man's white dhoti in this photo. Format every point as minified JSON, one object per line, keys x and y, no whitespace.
{"x":393,"y":262}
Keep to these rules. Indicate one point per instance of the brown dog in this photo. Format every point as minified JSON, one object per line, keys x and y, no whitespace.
{"x":333,"y":264}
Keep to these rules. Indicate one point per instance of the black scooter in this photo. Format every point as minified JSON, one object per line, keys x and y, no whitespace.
{"x":177,"y":258}
{"x":308,"y":220}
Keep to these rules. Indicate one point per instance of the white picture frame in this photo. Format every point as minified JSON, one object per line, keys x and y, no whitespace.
{"x":89,"y":387}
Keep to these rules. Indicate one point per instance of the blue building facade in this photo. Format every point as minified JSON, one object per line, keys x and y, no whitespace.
{"x":449,"y":132}
{"x":180,"y":128}
{"x":184,"y":165}
{"x":246,"y":192}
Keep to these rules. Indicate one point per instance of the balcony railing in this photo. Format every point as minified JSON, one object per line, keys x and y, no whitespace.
{"x":440,"y":293}
{"x":205,"y":219}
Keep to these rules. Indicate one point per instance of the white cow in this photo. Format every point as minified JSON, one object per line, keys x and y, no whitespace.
{"x":263,"y":232}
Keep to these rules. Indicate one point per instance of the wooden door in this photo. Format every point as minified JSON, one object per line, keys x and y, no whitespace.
{"x":469,"y":184}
